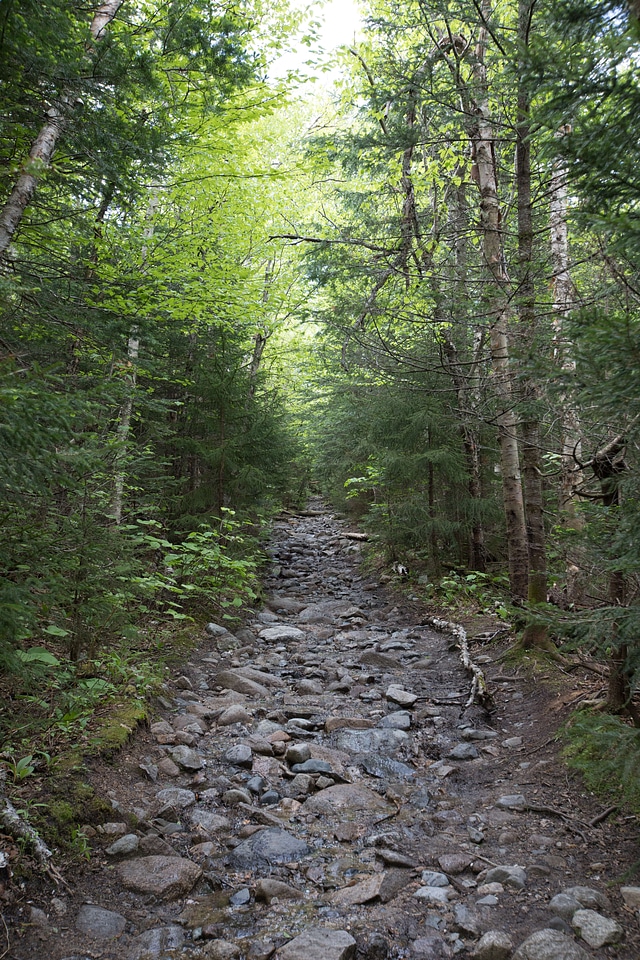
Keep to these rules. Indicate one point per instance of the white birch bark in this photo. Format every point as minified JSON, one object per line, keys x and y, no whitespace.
{"x":45,"y":143}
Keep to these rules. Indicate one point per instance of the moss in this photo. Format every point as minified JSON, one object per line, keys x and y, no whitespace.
{"x":116,"y":729}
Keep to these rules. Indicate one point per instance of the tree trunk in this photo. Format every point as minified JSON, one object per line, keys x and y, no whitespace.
{"x":44,"y":145}
{"x":535,"y":633}
{"x":482,"y":139}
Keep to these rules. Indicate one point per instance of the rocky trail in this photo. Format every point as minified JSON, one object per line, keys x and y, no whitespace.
{"x":315,"y":788}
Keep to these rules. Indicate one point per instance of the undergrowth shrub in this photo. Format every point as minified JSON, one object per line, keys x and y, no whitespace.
{"x":606,"y":750}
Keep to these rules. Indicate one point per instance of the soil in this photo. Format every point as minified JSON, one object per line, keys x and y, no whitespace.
{"x":565,"y":837}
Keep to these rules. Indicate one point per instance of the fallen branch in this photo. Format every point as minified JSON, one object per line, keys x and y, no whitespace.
{"x":18,"y":828}
{"x":602,"y":816}
{"x":479,"y":689}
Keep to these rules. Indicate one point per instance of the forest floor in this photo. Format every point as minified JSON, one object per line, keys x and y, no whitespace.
{"x":314,"y":787}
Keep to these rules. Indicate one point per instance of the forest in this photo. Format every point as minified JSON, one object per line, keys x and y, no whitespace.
{"x":414,"y":291}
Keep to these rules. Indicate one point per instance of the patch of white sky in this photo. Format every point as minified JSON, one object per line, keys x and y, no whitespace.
{"x":340,"y":24}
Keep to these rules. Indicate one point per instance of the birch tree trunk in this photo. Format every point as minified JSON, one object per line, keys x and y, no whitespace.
{"x":482,"y":138}
{"x":44,"y":145}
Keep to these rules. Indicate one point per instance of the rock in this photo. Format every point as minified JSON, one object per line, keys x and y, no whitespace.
{"x":393,"y":882}
{"x":430,"y":878}
{"x":187,"y":758}
{"x":550,"y":945}
{"x":466,"y":920}
{"x":260,"y":950}
{"x":234,"y":680}
{"x":385,"y":768}
{"x":631,"y":896}
{"x":231,"y":798}
{"x":100,"y":924}
{"x":403,"y":698}
{"x":236,"y":713}
{"x":216,"y":630}
{"x":463,"y":751}
{"x":124,"y":846}
{"x":312,"y":766}
{"x":564,"y":906}
{"x":298,"y":753}
{"x":433,"y":947}
{"x":373,"y":947}
{"x":220,"y":950}
{"x":165,"y":877}
{"x":281,"y":634}
{"x":319,"y":943}
{"x":382,"y":661}
{"x":434,"y":894}
{"x":598,"y":931}
{"x":454,"y":863}
{"x":176,"y":797}
{"x":493,"y":945}
{"x":513,"y":876}
{"x":168,"y":768}
{"x":239,"y":755}
{"x":588,"y":897}
{"x":161,"y":728}
{"x":398,"y":720}
{"x":149,"y":768}
{"x":240,"y":898}
{"x":347,"y":799}
{"x":268,"y":889}
{"x":262,"y":677}
{"x":271,"y":846}
{"x":156,"y":943}
{"x":513,"y":801}
{"x":309,"y":688}
{"x":351,"y":723}
{"x":361,"y":892}
{"x":387,"y":742}
{"x":301,"y":785}
{"x":210,"y":822}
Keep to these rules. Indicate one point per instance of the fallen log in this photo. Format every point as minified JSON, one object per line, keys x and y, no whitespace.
{"x":479,"y":690}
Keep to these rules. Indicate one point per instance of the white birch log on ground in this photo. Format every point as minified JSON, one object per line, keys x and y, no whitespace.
{"x":479,"y":689}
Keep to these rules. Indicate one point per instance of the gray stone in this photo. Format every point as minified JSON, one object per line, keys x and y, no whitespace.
{"x":282,"y":633}
{"x":210,"y":822}
{"x":382,"y":661}
{"x":512,"y":801}
{"x":261,"y":676}
{"x":233,"y":680}
{"x":216,"y":630}
{"x":493,"y":945}
{"x":176,"y":797}
{"x":385,"y":768}
{"x":434,"y":894}
{"x":165,"y":877}
{"x":433,"y":947}
{"x":398,"y":720}
{"x":588,"y":897}
{"x":99,"y":923}
{"x":124,"y":846}
{"x":240,"y":897}
{"x":319,"y":943}
{"x":466,"y":920}
{"x":387,"y":742}
{"x":564,"y":906}
{"x":271,"y":846}
{"x":347,"y":799}
{"x":454,"y":862}
{"x":298,"y":753}
{"x":300,"y":786}
{"x":328,"y":610}
{"x":239,"y":755}
{"x":512,"y":876}
{"x":431,"y":878}
{"x":236,"y":713}
{"x":463,"y":751}
{"x":550,"y":945}
{"x":312,"y":766}
{"x":155,"y":943}
{"x":187,"y":758}
{"x":489,"y":901}
{"x":598,"y":931}
{"x":399,"y":695}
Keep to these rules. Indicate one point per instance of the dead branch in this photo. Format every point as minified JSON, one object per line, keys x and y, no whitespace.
{"x":479,"y":689}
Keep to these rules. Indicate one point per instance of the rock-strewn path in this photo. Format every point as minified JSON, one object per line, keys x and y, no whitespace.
{"x":317,"y":791}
